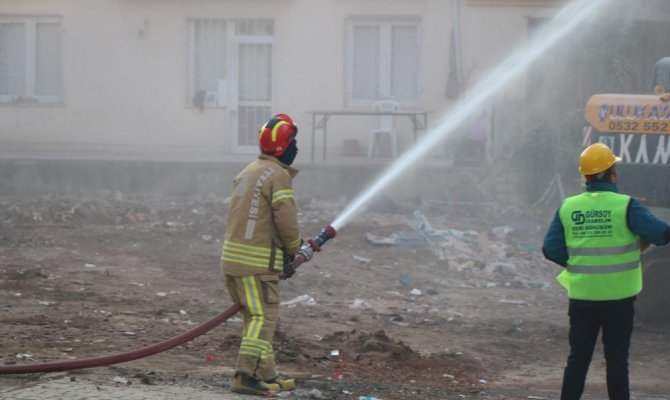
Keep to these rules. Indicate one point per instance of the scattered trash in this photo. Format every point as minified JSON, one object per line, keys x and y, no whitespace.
{"x":364,"y":260}
{"x":527,"y":247}
{"x":89,"y":265}
{"x":501,"y":232}
{"x":335,"y":353}
{"x":25,"y":357}
{"x":161,"y":294}
{"x":315,"y":394}
{"x":358,"y":303}
{"x":367,"y":398}
{"x":517,"y":302}
{"x":393,"y":240}
{"x":439,"y":240}
{"x":122,"y":380}
{"x":406,"y":279}
{"x":398,"y":319}
{"x":484,"y":245}
{"x":415,"y":292}
{"x":304,"y":299}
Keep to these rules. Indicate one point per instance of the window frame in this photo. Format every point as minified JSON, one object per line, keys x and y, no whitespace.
{"x":30,"y":97}
{"x":236,"y":30}
{"x":385,"y":24}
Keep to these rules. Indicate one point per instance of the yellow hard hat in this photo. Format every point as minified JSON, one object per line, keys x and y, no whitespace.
{"x":596,"y":158}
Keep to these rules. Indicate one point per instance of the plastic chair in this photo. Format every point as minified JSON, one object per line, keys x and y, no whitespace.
{"x":386,"y":127}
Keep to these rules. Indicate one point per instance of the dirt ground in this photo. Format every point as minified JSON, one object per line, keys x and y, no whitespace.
{"x":460,"y":304}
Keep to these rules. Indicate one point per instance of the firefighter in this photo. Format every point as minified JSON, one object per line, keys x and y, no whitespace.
{"x":597,"y":237}
{"x":262,"y":237}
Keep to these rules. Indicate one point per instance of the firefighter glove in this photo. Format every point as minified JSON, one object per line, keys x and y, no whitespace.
{"x":288,"y":265}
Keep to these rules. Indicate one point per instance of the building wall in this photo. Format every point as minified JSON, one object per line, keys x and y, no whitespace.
{"x":125,"y":68}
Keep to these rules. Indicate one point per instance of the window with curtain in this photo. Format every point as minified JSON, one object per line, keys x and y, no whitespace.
{"x":382,"y":60}
{"x":31,"y":64}
{"x":207,"y":59}
{"x":210,"y":40}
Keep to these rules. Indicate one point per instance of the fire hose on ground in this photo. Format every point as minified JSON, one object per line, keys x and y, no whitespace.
{"x":305,"y":254}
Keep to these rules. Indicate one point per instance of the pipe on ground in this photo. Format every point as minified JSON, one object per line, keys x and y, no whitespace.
{"x":304,"y":255}
{"x":123,"y":357}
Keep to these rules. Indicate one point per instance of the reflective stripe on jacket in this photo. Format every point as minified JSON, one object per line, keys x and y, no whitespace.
{"x":604,"y":255}
{"x":262,"y":221}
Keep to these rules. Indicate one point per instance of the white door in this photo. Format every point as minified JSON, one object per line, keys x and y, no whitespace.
{"x":251,"y":83}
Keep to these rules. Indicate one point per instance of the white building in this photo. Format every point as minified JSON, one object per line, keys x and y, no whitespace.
{"x":200,"y":76}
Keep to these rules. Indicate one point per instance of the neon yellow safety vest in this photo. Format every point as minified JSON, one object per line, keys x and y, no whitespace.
{"x":603,"y":254}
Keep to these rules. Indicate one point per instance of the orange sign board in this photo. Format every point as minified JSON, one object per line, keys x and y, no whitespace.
{"x":626,"y":113}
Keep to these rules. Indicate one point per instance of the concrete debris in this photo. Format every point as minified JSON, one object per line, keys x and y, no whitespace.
{"x":493,"y":257}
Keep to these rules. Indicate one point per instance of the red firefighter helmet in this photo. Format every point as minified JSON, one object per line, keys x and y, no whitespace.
{"x":276,"y":135}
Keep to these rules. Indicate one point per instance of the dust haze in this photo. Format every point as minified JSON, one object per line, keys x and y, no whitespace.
{"x":112,"y":213}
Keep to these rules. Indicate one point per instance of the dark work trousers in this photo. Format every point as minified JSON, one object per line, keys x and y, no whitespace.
{"x":586,"y":318}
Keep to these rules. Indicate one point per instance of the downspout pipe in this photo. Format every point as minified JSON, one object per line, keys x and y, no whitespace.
{"x":456,"y":21}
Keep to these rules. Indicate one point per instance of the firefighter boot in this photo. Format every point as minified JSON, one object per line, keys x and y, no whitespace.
{"x":248,"y":385}
{"x":284,"y":384}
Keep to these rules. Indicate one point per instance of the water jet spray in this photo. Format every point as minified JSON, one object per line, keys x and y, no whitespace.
{"x":566,"y":21}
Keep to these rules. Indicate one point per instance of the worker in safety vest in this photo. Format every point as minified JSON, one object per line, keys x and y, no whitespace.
{"x":262,"y":236}
{"x":597,"y":236}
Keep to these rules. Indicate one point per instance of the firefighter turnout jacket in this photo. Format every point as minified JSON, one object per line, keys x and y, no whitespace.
{"x":262,"y":225}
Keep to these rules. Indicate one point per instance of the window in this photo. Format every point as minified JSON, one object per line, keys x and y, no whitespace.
{"x":31,"y":63}
{"x":210,"y":41}
{"x":382,"y":60}
{"x":207,"y":48}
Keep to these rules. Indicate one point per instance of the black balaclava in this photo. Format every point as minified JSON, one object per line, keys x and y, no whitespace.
{"x":290,"y":153}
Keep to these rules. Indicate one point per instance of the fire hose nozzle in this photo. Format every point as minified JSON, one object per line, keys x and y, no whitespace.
{"x":314,"y":245}
{"x":307,"y":251}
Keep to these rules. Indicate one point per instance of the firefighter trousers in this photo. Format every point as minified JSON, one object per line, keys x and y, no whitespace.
{"x":259,"y":296}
